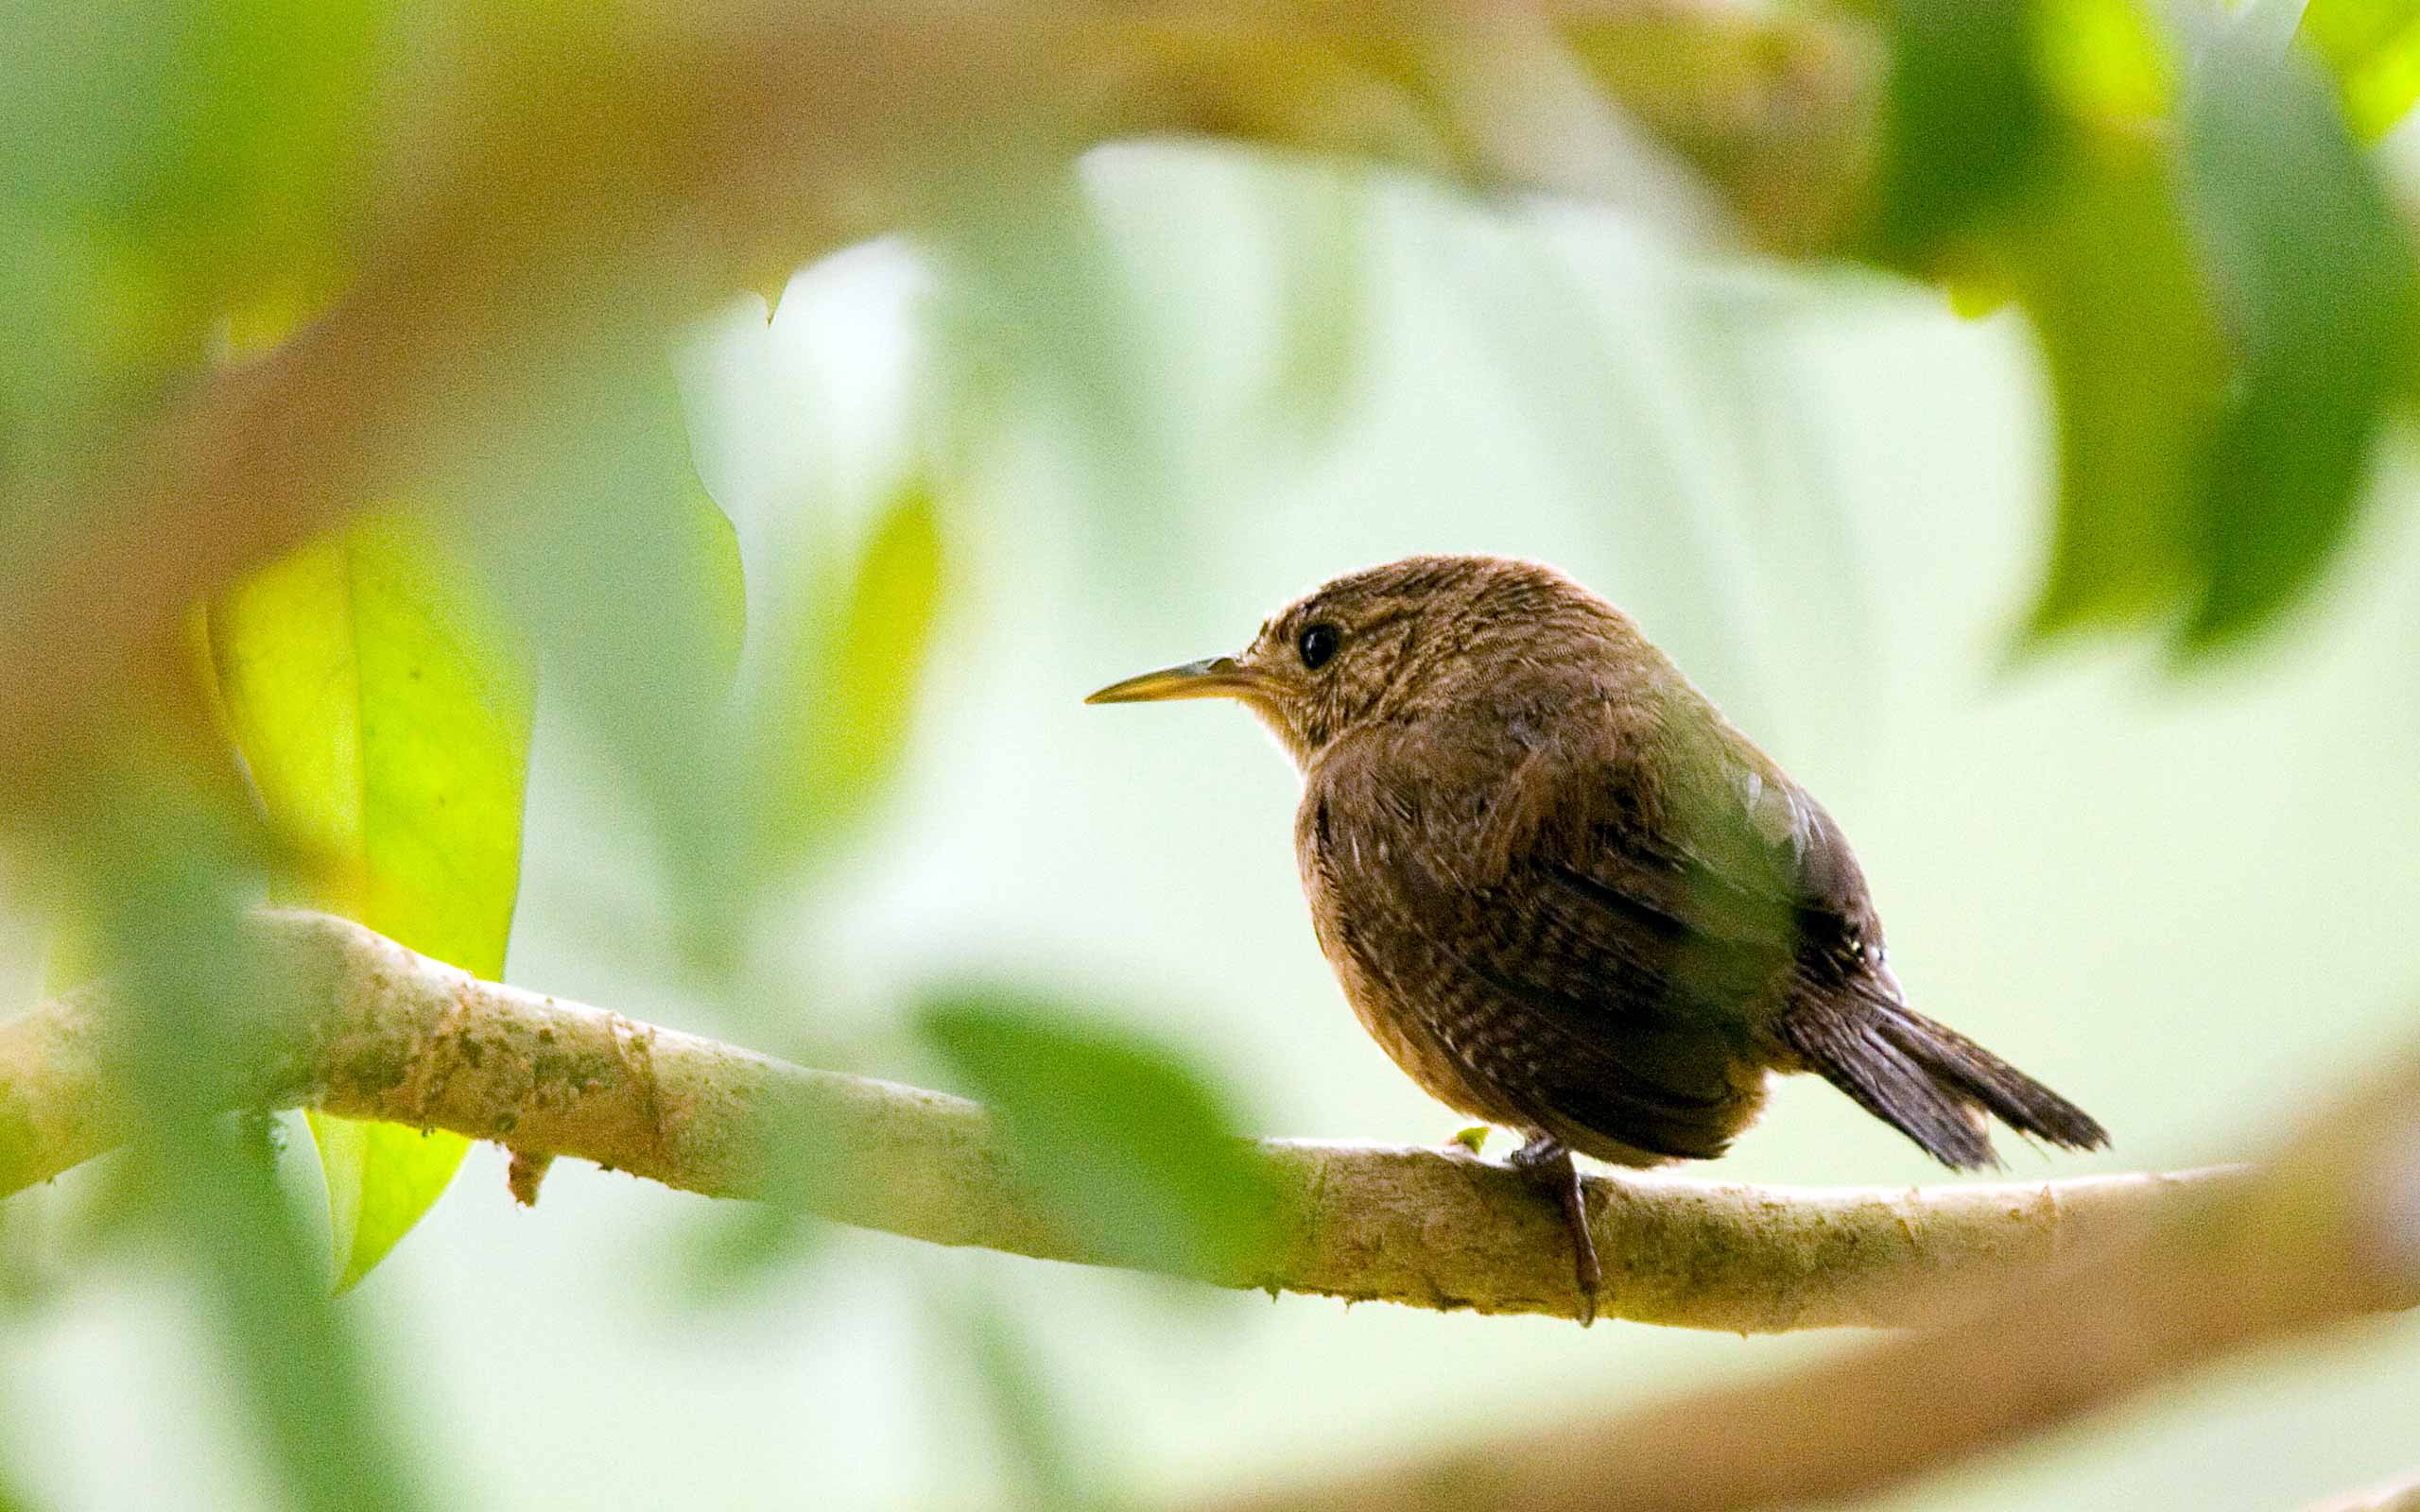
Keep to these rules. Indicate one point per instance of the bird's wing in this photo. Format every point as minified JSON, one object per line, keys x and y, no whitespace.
{"x":1573,"y":929}
{"x":1748,"y":878}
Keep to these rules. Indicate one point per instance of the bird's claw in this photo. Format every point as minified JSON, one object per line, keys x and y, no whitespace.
{"x":1549,"y":1165}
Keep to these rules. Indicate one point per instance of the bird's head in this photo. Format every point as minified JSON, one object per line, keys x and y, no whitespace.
{"x":1392,"y":641}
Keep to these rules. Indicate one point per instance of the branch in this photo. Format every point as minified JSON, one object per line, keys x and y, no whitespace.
{"x":2395,"y":1495}
{"x":369,"y":1029}
{"x":2328,"y":1232}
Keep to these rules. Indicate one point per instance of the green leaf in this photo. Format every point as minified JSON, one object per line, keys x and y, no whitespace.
{"x":2316,"y":279}
{"x":1965,"y":124}
{"x":2138,"y":367}
{"x":835,"y":729}
{"x":384,"y":719}
{"x":2222,"y":325}
{"x":2373,"y":48}
{"x":2103,"y":61}
{"x":2347,"y":33}
{"x":1129,"y":1145}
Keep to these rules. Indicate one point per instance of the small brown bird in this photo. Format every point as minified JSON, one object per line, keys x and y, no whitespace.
{"x":1568,"y":896}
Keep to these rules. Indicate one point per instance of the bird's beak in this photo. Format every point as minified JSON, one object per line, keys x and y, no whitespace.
{"x":1217,"y":676}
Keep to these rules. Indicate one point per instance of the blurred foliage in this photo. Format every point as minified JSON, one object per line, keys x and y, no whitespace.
{"x":1050,"y":1473}
{"x":1033,"y":303}
{"x":2314,"y":276}
{"x":166,"y":874}
{"x":1968,"y":118}
{"x":2372,"y":47}
{"x":168,"y":162}
{"x":2110,"y":279}
{"x":2223,"y":297}
{"x":1326,"y":236}
{"x":1130,"y":1143}
{"x":2179,"y":201}
{"x":2102,"y":60}
{"x":585,"y":518}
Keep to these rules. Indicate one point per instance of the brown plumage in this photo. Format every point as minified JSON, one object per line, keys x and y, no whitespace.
{"x":1568,"y":896}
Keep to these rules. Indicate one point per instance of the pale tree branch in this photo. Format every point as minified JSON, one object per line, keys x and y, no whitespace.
{"x":366,"y":1028}
{"x":2326,"y":1232}
{"x":2395,"y":1495}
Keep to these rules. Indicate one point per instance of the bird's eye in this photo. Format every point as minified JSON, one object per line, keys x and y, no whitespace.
{"x":1317,"y":644}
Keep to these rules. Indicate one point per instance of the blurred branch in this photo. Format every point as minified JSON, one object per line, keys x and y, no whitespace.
{"x":2329,"y":1231}
{"x":368,"y":1029}
{"x":622,"y":176}
{"x":2400,"y":1496}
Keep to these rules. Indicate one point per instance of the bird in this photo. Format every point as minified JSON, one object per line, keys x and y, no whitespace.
{"x":1568,"y":898}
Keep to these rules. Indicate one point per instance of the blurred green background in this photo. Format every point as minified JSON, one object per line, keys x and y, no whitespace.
{"x":2182,"y":899}
{"x":2088,"y":612}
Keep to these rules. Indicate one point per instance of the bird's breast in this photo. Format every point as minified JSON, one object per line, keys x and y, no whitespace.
{"x":1374,"y":950}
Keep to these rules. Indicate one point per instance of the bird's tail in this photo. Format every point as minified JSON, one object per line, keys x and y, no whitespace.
{"x":1930,"y":1082}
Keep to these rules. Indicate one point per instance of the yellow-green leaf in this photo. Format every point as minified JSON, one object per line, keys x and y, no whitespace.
{"x":2373,"y":48}
{"x":1976,"y":290}
{"x":384,"y":719}
{"x":2104,"y":61}
{"x":836,"y":727}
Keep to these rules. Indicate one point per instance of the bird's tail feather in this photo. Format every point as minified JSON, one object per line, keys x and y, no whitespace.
{"x":1930,"y":1082}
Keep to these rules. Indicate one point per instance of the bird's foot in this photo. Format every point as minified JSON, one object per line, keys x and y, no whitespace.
{"x":1549,"y":1165}
{"x":1473,"y":1139}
